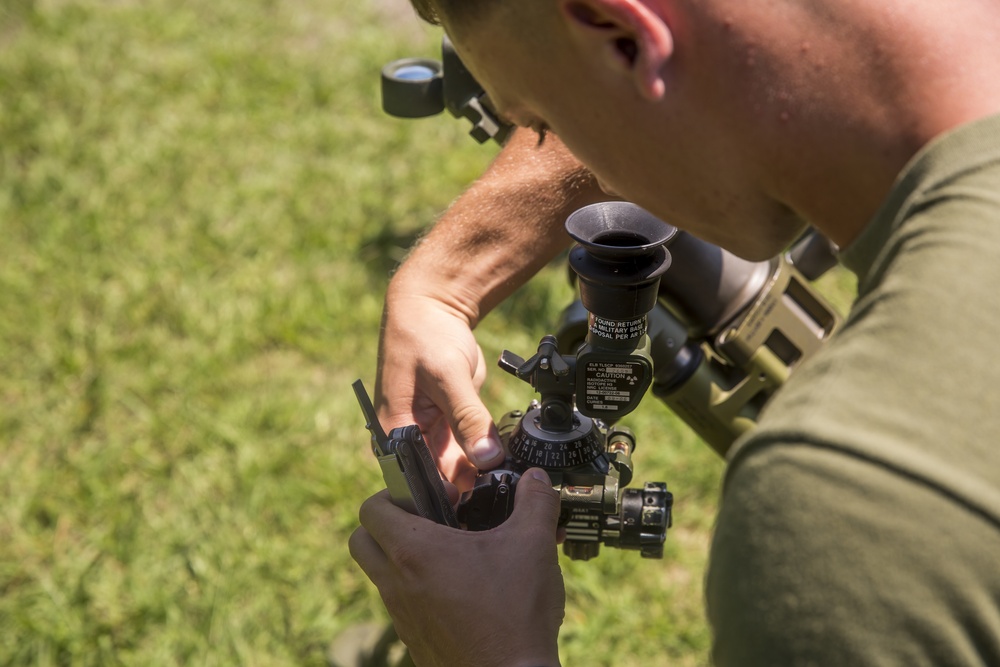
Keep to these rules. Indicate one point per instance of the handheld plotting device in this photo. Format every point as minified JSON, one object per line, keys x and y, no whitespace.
{"x":408,"y":467}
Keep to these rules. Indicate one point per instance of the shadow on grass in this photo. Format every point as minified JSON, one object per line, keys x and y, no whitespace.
{"x":383,"y":251}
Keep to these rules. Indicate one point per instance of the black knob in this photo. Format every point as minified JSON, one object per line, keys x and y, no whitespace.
{"x":490,"y":501}
{"x":643,"y":521}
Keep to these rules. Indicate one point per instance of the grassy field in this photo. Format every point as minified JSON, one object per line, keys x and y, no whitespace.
{"x":200,"y":206}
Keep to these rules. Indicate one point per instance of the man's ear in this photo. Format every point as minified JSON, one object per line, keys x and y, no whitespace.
{"x":628,"y":34}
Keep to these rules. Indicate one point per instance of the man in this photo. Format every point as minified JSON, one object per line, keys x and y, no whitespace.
{"x":860,"y":523}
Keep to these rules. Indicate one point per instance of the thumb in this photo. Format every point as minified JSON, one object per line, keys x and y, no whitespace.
{"x":471,"y":424}
{"x":536,"y":502}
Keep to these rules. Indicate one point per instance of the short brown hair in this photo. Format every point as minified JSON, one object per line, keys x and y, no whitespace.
{"x":427,"y":10}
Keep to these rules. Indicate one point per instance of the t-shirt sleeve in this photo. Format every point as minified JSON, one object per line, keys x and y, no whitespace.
{"x":812,"y":565}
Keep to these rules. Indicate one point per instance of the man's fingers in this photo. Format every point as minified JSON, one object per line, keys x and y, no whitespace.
{"x":536,"y":502}
{"x":381,"y":518}
{"x":367,"y":554}
{"x":471,"y":423}
{"x":391,"y":526}
{"x":485,"y":452}
{"x":453,"y":493}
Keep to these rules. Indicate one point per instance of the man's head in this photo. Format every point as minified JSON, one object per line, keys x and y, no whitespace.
{"x":606,"y":78}
{"x":733,"y":120}
{"x":433,"y":11}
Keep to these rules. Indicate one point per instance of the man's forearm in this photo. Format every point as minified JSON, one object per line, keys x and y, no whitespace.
{"x":502,"y":230}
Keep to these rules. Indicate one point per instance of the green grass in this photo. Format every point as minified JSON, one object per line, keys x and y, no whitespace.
{"x":200,"y":206}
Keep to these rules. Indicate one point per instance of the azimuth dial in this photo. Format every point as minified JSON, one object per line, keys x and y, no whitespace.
{"x":537,"y":447}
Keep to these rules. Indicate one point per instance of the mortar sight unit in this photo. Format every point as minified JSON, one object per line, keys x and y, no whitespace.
{"x":572,"y":429}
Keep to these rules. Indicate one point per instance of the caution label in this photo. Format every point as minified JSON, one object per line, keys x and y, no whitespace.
{"x":610,"y":386}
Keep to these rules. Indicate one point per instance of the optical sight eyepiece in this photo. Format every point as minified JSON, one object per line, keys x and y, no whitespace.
{"x":413,"y":88}
{"x":620,"y":258}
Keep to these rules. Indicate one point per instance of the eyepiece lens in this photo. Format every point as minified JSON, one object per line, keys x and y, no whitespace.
{"x":415,"y":73}
{"x":621,"y":239}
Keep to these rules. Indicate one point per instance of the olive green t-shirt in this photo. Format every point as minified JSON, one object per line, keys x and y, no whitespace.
{"x":860,"y":523}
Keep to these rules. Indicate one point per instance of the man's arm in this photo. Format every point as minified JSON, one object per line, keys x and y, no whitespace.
{"x":498,"y":234}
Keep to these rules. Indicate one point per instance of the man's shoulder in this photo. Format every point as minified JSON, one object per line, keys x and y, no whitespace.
{"x":826,"y":558}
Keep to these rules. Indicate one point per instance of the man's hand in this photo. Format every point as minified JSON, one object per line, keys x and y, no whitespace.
{"x":469,"y":598}
{"x":430,"y":372}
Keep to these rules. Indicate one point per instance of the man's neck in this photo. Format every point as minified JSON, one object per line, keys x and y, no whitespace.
{"x":839,"y":102}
